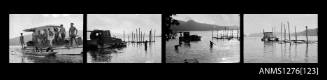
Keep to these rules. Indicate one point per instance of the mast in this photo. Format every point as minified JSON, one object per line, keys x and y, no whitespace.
{"x":284,"y":31}
{"x":289,"y":32}
{"x":281,"y":31}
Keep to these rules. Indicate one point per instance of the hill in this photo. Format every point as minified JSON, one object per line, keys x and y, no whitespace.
{"x":192,"y":25}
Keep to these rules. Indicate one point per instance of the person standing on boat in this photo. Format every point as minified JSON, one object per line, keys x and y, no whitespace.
{"x":42,"y":39}
{"x":22,"y":40}
{"x":62,"y":32}
{"x":51,"y":35}
{"x":72,"y":33}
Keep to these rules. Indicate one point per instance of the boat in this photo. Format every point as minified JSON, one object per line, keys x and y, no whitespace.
{"x":41,"y":53}
{"x":40,"y":45}
{"x":103,"y":39}
{"x":187,"y":37}
{"x":268,"y":36}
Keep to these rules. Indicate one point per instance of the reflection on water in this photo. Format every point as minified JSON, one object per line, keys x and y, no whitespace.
{"x":16,"y":56}
{"x":256,"y":51}
{"x":222,"y":51}
{"x":133,"y":53}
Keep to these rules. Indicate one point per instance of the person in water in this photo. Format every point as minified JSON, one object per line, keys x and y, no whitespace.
{"x":211,"y":44}
{"x":22,"y":40}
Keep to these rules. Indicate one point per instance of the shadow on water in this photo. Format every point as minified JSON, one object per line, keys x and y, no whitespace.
{"x":58,"y":58}
{"x":133,"y":52}
{"x":306,"y":53}
{"x":268,"y":48}
{"x":101,"y":55}
{"x":104,"y":54}
{"x":287,"y":53}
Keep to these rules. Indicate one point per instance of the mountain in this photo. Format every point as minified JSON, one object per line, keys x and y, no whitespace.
{"x":16,"y":41}
{"x":192,"y":25}
{"x":311,"y":32}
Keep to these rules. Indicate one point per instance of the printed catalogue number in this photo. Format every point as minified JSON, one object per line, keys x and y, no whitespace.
{"x":291,"y":71}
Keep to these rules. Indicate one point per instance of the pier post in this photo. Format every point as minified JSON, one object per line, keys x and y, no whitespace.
{"x":140,"y":34}
{"x":136,"y":36}
{"x":284,"y":32}
{"x":289,"y":32}
{"x":154,"y":35}
{"x":212,"y":34}
{"x":225,"y":32}
{"x":281,"y":31}
{"x":272,"y":30}
{"x":150,"y":36}
{"x":306,"y":33}
{"x":295,"y":34}
{"x":263,"y":32}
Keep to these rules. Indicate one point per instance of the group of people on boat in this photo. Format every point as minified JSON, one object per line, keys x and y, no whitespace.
{"x":45,"y":37}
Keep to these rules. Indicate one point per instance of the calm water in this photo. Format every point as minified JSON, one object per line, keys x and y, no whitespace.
{"x":256,"y":51}
{"x":223,"y":51}
{"x":133,"y":53}
{"x":16,"y":56}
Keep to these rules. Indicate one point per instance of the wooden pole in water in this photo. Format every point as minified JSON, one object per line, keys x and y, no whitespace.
{"x":132,"y":36}
{"x":263,"y":31}
{"x":272,"y":30}
{"x":154,"y":35}
{"x":217,"y":32}
{"x":212,"y":33}
{"x":140,"y":34}
{"x":150,"y":36}
{"x":225,"y":32}
{"x":144,"y":37}
{"x":136,"y":36}
{"x":284,"y":31}
{"x":306,"y":33}
{"x":232,"y":33}
{"x":295,"y":34}
{"x":289,"y":32}
{"x":281,"y":31}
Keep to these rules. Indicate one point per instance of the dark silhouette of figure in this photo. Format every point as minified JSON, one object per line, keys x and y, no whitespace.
{"x":211,"y":44}
{"x":22,"y":40}
{"x":72,"y":34}
{"x":145,"y":45}
{"x":62,"y":32}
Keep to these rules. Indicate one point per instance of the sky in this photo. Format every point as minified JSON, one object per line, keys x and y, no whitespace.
{"x":255,"y":23}
{"x":128,"y":23}
{"x":20,"y":22}
{"x":218,"y":19}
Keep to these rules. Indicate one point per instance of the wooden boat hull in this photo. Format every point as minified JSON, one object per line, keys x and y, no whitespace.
{"x":32,"y":52}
